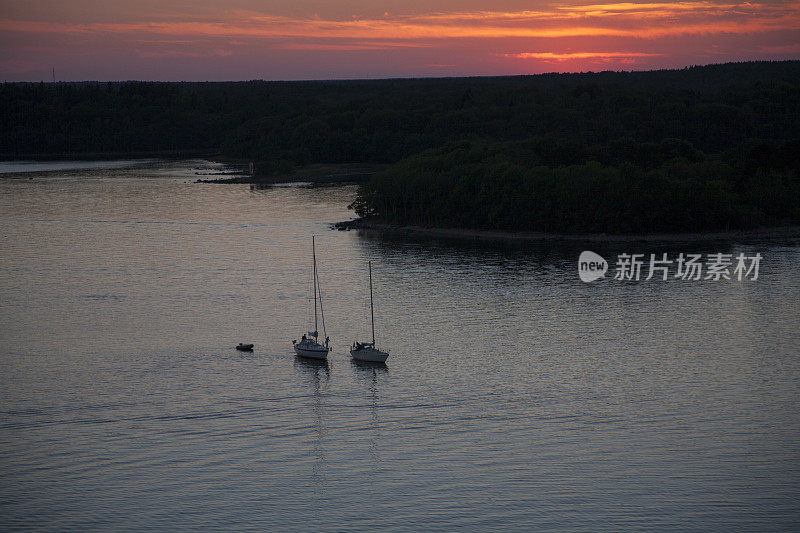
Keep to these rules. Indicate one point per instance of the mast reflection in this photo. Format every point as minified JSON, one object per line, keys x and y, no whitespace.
{"x":316,"y":374}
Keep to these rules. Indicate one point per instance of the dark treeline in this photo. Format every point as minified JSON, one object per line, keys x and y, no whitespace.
{"x":536,"y":185}
{"x":701,"y":148}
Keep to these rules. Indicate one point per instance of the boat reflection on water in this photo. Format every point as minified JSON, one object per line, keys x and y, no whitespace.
{"x":366,"y":366}
{"x":307,"y":364}
{"x":373,"y":373}
{"x":316,"y":372}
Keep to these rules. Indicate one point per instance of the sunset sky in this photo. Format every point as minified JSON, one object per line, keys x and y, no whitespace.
{"x":303,"y":39}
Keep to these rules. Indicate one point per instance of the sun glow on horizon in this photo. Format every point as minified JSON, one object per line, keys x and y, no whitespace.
{"x":580,"y":55}
{"x":461,"y":42}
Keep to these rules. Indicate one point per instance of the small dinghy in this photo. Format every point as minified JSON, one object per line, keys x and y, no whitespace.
{"x":244,"y":347}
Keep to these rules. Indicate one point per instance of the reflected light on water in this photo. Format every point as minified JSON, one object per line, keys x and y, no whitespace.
{"x":515,"y":394}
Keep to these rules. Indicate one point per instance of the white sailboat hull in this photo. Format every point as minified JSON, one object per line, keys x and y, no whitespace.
{"x":372,"y":355}
{"x":312,"y":352}
{"x":309,"y":346}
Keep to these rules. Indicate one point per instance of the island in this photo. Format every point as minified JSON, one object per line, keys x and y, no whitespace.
{"x":711,"y":148}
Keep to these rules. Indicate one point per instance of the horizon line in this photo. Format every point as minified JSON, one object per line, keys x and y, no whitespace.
{"x":404,"y":78}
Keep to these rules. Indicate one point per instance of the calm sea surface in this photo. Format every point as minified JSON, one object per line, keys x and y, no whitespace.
{"x":515,"y":396}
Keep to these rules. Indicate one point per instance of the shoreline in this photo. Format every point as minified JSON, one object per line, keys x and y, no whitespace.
{"x":473,"y":234}
{"x":110,"y":156}
{"x":314,"y":174}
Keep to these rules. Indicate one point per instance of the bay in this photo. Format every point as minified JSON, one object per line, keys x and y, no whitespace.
{"x":515,"y":397}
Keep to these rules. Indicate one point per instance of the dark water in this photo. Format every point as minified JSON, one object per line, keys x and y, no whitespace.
{"x":515,"y":397}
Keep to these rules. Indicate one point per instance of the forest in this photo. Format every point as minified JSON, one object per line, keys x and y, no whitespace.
{"x":702,"y":148}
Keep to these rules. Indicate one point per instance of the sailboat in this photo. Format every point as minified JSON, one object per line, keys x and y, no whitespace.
{"x":366,"y":351}
{"x":309,"y":345}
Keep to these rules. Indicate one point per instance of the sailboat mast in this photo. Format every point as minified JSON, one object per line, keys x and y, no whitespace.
{"x":371,"y":306}
{"x":314,"y":283}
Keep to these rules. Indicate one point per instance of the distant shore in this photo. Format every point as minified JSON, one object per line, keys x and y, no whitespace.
{"x":462,"y":233}
{"x":315,"y":174}
{"x":109,"y":155}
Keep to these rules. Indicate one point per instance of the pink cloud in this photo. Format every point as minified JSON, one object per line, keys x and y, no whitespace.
{"x":468,"y":42}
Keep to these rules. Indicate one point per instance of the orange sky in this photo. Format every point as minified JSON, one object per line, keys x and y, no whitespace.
{"x":251,"y":39}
